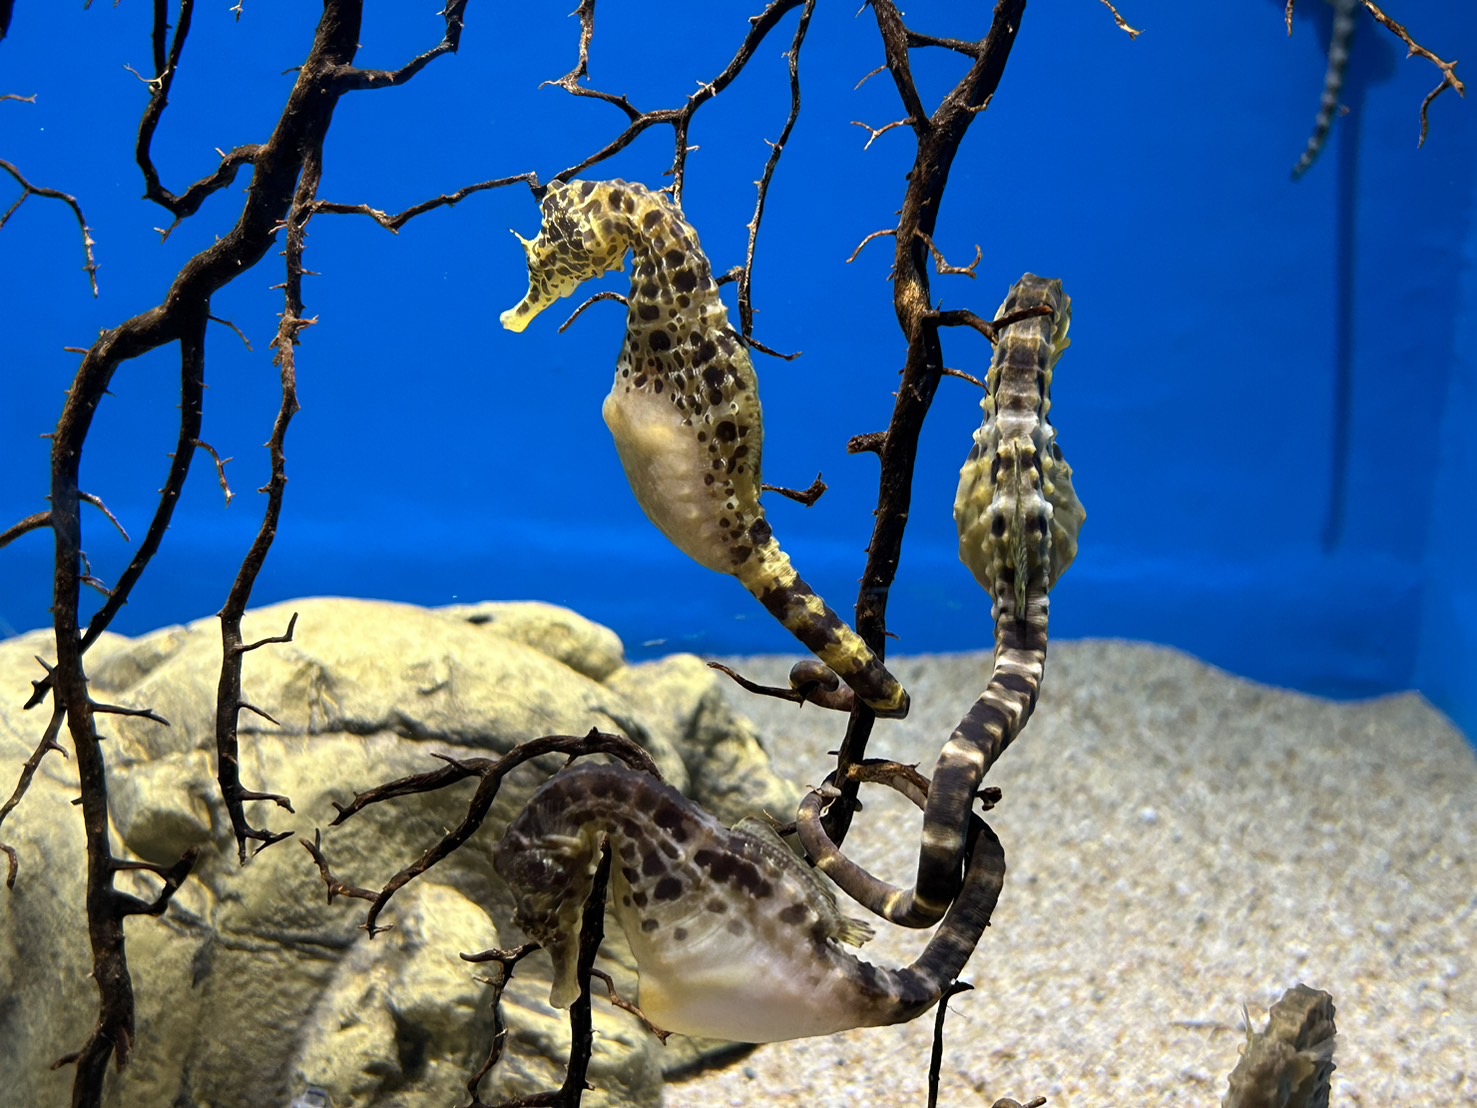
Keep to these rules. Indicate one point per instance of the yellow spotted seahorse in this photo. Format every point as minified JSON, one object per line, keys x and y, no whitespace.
{"x":684,"y":409}
{"x":1018,"y":520}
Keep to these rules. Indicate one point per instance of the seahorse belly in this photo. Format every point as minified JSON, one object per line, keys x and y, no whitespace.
{"x":734,"y":936}
{"x":662,"y":464}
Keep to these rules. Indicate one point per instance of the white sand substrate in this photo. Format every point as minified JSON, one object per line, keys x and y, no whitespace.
{"x":1180,"y":843}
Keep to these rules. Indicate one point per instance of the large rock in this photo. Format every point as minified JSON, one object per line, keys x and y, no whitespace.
{"x":251,"y":987}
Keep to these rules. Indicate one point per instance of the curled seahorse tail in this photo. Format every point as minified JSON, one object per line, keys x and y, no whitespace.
{"x":1018,"y":520}
{"x":768,"y":574}
{"x":991,"y":725}
{"x":918,"y":987}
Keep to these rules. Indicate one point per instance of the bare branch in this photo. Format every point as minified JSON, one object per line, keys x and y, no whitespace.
{"x":943,"y":268}
{"x":1133,"y":33}
{"x":47,"y":744}
{"x":808,"y":496}
{"x":863,"y":244}
{"x":597,"y":298}
{"x":24,"y":527}
{"x":1449,"y":78}
{"x":878,"y":132}
{"x":220,"y":469}
{"x":29,"y":190}
{"x":350,"y":79}
{"x":393,"y":223}
{"x":776,"y":150}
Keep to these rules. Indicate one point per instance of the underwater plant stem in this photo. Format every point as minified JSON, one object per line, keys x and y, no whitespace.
{"x":938,"y":136}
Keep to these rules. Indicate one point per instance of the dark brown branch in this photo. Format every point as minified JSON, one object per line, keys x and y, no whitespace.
{"x":626,"y":1006}
{"x":811,"y":682}
{"x":47,"y":744}
{"x":491,"y":771}
{"x":939,"y":136}
{"x":936,"y":1055}
{"x":181,"y":317}
{"x":35,"y":522}
{"x":29,"y":190}
{"x":680,"y":119}
{"x":192,"y":399}
{"x":755,"y":344}
{"x":597,"y":298}
{"x":166,"y":66}
{"x":349,"y":79}
{"x":393,"y":223}
{"x":959,"y":46}
{"x":570,"y":82}
{"x":776,"y":150}
{"x":807,"y":496}
{"x":336,"y":888}
{"x":220,"y":469}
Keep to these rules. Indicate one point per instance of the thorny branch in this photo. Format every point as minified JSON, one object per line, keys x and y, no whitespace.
{"x":680,"y":119}
{"x":293,"y":152}
{"x":282,"y":197}
{"x":491,"y":772}
{"x":1449,"y":79}
{"x":28,"y":190}
{"x":938,"y":135}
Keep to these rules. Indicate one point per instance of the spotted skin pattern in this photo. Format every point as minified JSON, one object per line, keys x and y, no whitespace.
{"x":684,"y":409}
{"x":1018,"y":518}
{"x":734,"y":936}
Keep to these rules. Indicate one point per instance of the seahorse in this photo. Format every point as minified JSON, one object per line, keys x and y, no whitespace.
{"x":1018,"y":519}
{"x":1290,"y":1064}
{"x":1345,"y":13}
{"x":684,"y":409}
{"x":734,"y":936}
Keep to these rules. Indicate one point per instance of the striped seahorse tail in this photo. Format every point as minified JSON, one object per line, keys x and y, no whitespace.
{"x":768,"y":574}
{"x":1345,"y":13}
{"x":907,"y":993}
{"x":991,"y":725}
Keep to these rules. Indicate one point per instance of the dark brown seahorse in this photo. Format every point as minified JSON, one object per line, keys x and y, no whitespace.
{"x":684,"y":409}
{"x":734,"y":936}
{"x":1018,"y":520}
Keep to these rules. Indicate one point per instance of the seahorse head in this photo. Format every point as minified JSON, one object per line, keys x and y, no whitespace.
{"x":579,"y":240}
{"x":551,"y":874}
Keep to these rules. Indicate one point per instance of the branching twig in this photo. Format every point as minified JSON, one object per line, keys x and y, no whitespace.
{"x":393,"y":223}
{"x":181,"y":317}
{"x":1449,"y":78}
{"x":776,"y":150}
{"x":29,"y":190}
{"x":491,"y":771}
{"x":939,"y":135}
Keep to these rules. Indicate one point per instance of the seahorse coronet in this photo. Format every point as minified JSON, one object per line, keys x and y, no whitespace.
{"x":684,"y":408}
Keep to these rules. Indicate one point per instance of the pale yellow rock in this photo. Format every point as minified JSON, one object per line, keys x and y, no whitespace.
{"x":250,"y":985}
{"x":582,"y":645}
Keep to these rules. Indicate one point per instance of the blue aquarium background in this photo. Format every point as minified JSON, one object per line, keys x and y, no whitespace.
{"x":1269,"y":401}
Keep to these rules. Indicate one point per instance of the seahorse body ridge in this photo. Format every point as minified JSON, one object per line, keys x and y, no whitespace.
{"x":684,"y":408}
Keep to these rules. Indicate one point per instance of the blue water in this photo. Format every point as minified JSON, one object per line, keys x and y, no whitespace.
{"x":1268,"y":402}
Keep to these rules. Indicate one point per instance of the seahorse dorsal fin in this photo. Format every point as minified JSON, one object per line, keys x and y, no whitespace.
{"x":853,"y":932}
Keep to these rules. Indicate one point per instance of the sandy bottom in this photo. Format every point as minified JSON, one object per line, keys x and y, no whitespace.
{"x":1180,"y":843}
